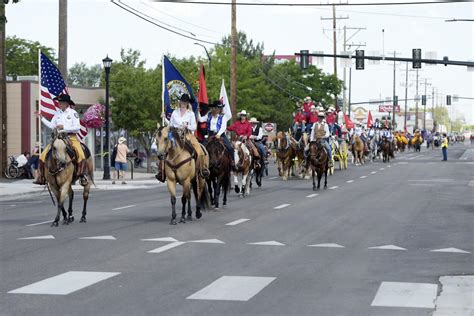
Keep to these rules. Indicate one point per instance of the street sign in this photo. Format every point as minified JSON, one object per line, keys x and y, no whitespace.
{"x":388,"y":108}
{"x":269,"y":127}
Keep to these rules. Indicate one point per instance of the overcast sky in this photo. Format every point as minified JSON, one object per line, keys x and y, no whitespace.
{"x":98,"y":27}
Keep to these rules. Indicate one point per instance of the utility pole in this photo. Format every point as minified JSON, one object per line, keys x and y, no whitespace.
{"x":406,"y":101}
{"x":3,"y":93}
{"x":417,"y":99}
{"x":233,"y":63}
{"x":432,"y":108}
{"x":334,"y":40}
{"x":62,"y":52}
{"x":426,"y":83}
{"x":394,"y":101}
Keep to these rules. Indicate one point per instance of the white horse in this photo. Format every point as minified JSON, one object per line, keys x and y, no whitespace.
{"x":374,"y":146}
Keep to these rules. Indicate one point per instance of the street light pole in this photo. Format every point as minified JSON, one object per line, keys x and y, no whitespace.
{"x":207,"y":53}
{"x":406,"y":97}
{"x":107,"y":61}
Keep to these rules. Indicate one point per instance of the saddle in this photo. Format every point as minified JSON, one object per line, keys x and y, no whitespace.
{"x":71,"y":152}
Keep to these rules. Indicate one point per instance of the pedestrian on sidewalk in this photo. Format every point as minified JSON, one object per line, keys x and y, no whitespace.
{"x":112,"y":163}
{"x":444,"y":147}
{"x":121,"y":159}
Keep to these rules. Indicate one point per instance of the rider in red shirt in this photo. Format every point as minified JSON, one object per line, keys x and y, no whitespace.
{"x":242,"y":128}
{"x":312,"y":118}
{"x":308,"y":103}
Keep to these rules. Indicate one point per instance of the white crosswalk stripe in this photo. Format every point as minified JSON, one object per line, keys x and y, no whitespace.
{"x":401,"y":294}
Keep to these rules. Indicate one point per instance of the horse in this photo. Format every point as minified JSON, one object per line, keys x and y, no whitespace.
{"x":358,"y":151}
{"x":386,"y":150}
{"x":243,"y":163}
{"x":318,"y":163}
{"x":60,"y":173}
{"x":180,"y":167}
{"x":219,"y":167}
{"x":340,"y":153}
{"x":257,"y":167}
{"x":287,"y":151}
{"x":374,"y":146}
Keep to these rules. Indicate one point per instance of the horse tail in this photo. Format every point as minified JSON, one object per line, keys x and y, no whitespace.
{"x":205,"y":199}
{"x":90,"y":170}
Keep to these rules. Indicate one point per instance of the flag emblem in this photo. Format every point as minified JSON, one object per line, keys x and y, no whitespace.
{"x":176,"y":88}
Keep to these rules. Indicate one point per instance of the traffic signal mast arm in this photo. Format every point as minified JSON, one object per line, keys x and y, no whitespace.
{"x":445,"y":61}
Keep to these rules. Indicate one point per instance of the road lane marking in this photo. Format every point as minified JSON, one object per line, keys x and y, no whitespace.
{"x":170,"y":239}
{"x":267,"y":243}
{"x":453,"y":250}
{"x":411,"y":158}
{"x":312,"y":195}
{"x":237,"y":222}
{"x":232,"y":288}
{"x":41,"y":223}
{"x":279,"y":207}
{"x":99,"y":238}
{"x":271,"y":178}
{"x":334,"y":187}
{"x":382,"y":169}
{"x":389,"y":166}
{"x":327,"y":246}
{"x":65,"y":283}
{"x":363,"y":177}
{"x":123,"y":207}
{"x":373,"y":172}
{"x":208,"y":241}
{"x":167,"y":247}
{"x":37,"y":237}
{"x":350,"y":181}
{"x":471,"y":183}
{"x":388,"y":247}
{"x":404,"y":294}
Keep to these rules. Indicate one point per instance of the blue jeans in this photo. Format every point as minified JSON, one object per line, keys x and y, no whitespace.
{"x":445,"y":153}
{"x":309,"y":126}
{"x":261,"y":149}
{"x":297,"y":126}
{"x":328,"y":148}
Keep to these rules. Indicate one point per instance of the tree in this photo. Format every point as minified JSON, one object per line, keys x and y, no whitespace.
{"x":136,"y":94}
{"x":22,"y":56}
{"x":82,"y":75}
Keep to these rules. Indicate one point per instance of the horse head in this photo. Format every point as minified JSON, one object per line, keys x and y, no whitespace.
{"x":59,"y":148}
{"x":216,"y":151}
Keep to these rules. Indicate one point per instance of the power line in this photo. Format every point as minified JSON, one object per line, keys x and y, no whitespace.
{"x":289,"y":4}
{"x":121,"y":5}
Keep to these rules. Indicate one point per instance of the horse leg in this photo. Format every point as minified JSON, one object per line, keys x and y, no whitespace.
{"x":186,"y":196}
{"x":56,"y":219}
{"x":225,"y":185}
{"x":196,"y":198}
{"x":172,"y":189}
{"x":326,"y":178}
{"x":314,"y":184}
{"x":65,"y":221}
{"x":320,"y":175}
{"x":60,"y":196}
{"x":217,"y":191}
{"x":210,"y":184}
{"x":71,"y":199}
{"x":236,"y":183}
{"x":85,"y":197}
{"x":244,"y":184}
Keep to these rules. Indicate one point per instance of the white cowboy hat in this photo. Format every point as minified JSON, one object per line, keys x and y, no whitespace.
{"x":320,"y":109}
{"x":308,"y":98}
{"x":253,"y":120}
{"x":243,"y":112}
{"x":313,"y":108}
{"x":321,"y":114}
{"x":121,"y":140}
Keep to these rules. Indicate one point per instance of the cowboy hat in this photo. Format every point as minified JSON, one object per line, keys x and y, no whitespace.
{"x":308,"y":98}
{"x":313,"y":108}
{"x":122,"y":140}
{"x":321,"y":114}
{"x":253,"y":120}
{"x":216,"y":104}
{"x":242,"y":113}
{"x":64,"y":98}
{"x":185,"y":98}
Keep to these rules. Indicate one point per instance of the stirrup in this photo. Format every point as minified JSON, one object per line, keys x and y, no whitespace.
{"x":83,"y":180}
{"x":205,"y":173}
{"x":160,"y":177}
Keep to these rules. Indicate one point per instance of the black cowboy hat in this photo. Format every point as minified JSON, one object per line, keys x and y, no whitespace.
{"x":64,"y":98}
{"x":216,"y":104}
{"x":185,"y":98}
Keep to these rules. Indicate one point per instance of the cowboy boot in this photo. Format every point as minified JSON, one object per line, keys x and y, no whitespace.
{"x":41,"y":180}
{"x":80,"y":173}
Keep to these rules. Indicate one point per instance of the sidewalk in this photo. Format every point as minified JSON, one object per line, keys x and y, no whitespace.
{"x":12,"y":189}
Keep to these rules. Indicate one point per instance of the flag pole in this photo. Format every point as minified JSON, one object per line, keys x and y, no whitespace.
{"x":163,"y":89}
{"x":39,"y":101}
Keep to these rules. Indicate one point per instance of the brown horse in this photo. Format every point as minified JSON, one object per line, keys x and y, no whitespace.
{"x":287,"y":151}
{"x":60,"y":173}
{"x":219,"y":167}
{"x":386,"y":149}
{"x":318,"y":163}
{"x":243,"y":163}
{"x":180,"y":167}
{"x":358,"y":151}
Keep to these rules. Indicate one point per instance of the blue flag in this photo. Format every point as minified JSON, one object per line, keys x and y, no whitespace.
{"x":174,"y":85}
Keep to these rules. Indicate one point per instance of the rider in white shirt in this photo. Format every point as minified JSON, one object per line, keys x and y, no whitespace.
{"x":320,"y":131}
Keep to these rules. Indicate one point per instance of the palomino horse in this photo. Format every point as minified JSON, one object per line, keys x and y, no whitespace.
{"x":318,"y":163}
{"x":180,"y":167}
{"x":340,"y":153}
{"x":243,"y":163}
{"x":60,"y":174}
{"x":219,"y":167}
{"x":358,"y":151}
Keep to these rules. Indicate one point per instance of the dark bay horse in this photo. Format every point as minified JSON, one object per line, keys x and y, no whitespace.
{"x":180,"y":168}
{"x":318,"y":162}
{"x":60,"y":173}
{"x":386,"y":149}
{"x":219,"y":167}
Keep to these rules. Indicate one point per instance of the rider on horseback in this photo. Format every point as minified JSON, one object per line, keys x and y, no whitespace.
{"x":66,"y":120}
{"x":183,"y":118}
{"x":320,"y":132}
{"x":257,"y":135}
{"x":312,"y":118}
{"x":217,"y":125}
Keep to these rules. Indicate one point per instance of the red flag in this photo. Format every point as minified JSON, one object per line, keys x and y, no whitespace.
{"x":202,"y":96}
{"x":369,"y":120}
{"x":349,"y":123}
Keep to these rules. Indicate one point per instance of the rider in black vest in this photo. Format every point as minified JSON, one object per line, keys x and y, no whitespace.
{"x":257,"y":135}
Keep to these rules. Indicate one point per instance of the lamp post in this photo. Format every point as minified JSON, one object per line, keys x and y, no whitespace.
{"x":107,"y":61}
{"x":207,"y":53}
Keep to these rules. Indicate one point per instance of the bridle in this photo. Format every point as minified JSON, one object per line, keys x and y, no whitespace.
{"x":60,"y":166}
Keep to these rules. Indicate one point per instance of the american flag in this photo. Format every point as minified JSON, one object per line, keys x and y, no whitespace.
{"x":52,"y":85}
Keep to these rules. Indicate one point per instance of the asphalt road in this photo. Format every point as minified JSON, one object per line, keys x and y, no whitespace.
{"x":415,"y":204}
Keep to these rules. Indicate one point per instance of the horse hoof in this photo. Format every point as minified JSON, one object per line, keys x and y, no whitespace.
{"x":198,"y":215}
{"x":189,"y":218}
{"x":54,"y":224}
{"x":65,"y":222}
{"x":237,"y":189}
{"x":71,"y":219}
{"x":174,"y":222}
{"x":182,"y":220}
{"x":83,"y":220}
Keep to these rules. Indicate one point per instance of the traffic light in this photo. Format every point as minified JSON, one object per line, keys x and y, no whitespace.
{"x":416,"y":58}
{"x":395,"y":100}
{"x":423,"y":99}
{"x":448,"y":100}
{"x":359,"y":59}
{"x":304,"y":59}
